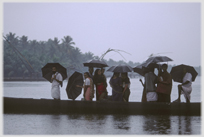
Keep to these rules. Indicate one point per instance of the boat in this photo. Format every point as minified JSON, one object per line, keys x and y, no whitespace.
{"x":50,"y":106}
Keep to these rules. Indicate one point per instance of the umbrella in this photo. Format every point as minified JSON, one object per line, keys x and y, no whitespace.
{"x":177,"y":72}
{"x":72,"y":91}
{"x":95,"y":63}
{"x":120,"y":68}
{"x":156,"y":59}
{"x":141,"y":69}
{"x":47,"y":70}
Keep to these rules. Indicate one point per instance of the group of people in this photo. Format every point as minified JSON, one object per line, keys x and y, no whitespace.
{"x":120,"y":86}
{"x":157,"y":88}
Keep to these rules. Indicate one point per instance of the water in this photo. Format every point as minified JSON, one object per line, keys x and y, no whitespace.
{"x":29,"y":124}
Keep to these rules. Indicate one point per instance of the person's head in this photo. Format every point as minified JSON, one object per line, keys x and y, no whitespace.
{"x":97,"y":72}
{"x":164,"y":67}
{"x":102,"y":70}
{"x":91,"y":70}
{"x":124,"y":75}
{"x":86,"y":75}
{"x":151,"y":67}
{"x":54,"y":70}
{"x":116,"y":74}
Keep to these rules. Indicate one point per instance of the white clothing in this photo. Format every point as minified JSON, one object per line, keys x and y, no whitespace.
{"x":187,"y":88}
{"x":55,"y":91}
{"x":87,"y":82}
{"x":151,"y":96}
{"x":150,"y":81}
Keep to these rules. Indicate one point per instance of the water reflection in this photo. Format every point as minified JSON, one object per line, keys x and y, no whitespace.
{"x":157,"y":124}
{"x":184,"y":124}
{"x":121,"y":122}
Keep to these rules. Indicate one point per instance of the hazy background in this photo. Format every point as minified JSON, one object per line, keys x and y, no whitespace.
{"x":141,"y":29}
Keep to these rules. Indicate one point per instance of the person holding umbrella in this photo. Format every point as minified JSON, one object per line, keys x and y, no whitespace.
{"x":164,"y":85}
{"x":116,"y":84}
{"x":126,"y":86}
{"x":186,"y":87}
{"x":91,"y":70}
{"x":100,"y":83}
{"x":56,"y":81}
{"x":150,"y":84}
{"x":88,"y":87}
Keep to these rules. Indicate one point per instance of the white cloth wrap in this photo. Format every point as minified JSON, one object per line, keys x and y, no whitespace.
{"x":55,"y":91}
{"x":151,"y":96}
{"x":187,"y":88}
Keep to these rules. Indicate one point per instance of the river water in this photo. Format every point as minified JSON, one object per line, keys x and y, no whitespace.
{"x":29,"y":124}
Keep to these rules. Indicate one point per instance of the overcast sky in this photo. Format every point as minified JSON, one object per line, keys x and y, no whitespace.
{"x":141,"y":29}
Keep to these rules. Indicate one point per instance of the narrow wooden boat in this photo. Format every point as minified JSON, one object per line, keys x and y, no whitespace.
{"x":49,"y":106}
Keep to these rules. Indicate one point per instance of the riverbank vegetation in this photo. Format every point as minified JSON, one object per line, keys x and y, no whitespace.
{"x":25,"y":58}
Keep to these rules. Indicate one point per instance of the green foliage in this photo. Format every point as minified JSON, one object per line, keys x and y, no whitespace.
{"x":39,"y":53}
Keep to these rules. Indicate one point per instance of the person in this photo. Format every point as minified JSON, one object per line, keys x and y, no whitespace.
{"x":88,"y":87}
{"x":116,"y":84}
{"x":144,"y":98}
{"x":56,"y":81}
{"x":91,"y":70}
{"x":164,"y":85}
{"x":150,"y":87}
{"x":186,"y":87}
{"x":100,"y":83}
{"x":126,"y":86}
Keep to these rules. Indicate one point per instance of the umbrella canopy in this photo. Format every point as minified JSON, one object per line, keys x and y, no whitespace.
{"x":47,"y":70}
{"x":95,"y":63}
{"x":177,"y":72}
{"x":120,"y":68}
{"x":156,"y":59}
{"x":141,"y":69}
{"x":76,"y":79}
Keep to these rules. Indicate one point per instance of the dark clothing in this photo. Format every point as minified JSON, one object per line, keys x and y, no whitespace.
{"x":126,"y":94}
{"x":116,"y":84}
{"x":163,"y":97}
{"x":100,"y":83}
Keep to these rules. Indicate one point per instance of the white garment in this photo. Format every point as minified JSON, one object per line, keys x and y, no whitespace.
{"x":151,"y":96}
{"x":55,"y":91}
{"x":187,"y":88}
{"x":87,"y":82}
{"x":150,"y":81}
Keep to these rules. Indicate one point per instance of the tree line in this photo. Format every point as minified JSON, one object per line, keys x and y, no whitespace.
{"x":25,"y":58}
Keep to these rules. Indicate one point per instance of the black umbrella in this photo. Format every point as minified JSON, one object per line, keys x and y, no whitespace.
{"x":177,"y":72}
{"x":156,"y":59}
{"x":72,"y":91}
{"x":47,"y":70}
{"x":141,"y":69}
{"x":95,"y":63}
{"x":120,"y":68}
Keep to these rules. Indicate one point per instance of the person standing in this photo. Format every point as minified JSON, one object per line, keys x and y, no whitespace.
{"x":186,"y":87}
{"x":56,"y":81}
{"x":164,"y":85}
{"x":100,"y":83}
{"x":116,"y":84}
{"x":150,"y":84}
{"x":88,"y":87}
{"x":126,"y":86}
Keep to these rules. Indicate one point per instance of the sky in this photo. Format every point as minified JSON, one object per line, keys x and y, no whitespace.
{"x":170,"y":29}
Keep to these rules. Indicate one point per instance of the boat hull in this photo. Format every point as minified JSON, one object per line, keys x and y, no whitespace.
{"x":48,"y":106}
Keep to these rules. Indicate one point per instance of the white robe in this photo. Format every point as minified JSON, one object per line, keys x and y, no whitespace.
{"x":187,"y":88}
{"x":55,"y":91}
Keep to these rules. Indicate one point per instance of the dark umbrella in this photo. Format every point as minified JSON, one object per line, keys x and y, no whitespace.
{"x":120,"y":68}
{"x":47,"y":70}
{"x":141,"y":69}
{"x":72,"y":91}
{"x":157,"y":59}
{"x":95,"y":63}
{"x":177,"y":72}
